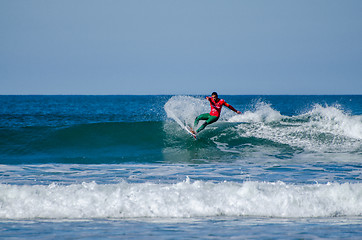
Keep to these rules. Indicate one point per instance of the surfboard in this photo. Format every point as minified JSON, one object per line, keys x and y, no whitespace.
{"x":191,"y":131}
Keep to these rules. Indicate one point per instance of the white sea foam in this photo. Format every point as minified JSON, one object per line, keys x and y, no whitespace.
{"x":334,"y":120}
{"x":263,"y":113}
{"x":183,"y":199}
{"x":323,"y":129}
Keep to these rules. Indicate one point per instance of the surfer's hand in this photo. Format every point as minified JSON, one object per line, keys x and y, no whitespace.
{"x":238,"y":112}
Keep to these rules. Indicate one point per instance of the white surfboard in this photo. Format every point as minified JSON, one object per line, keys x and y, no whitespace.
{"x":191,"y":131}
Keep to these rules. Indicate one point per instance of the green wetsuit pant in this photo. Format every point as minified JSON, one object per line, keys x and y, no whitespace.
{"x":209,"y":119}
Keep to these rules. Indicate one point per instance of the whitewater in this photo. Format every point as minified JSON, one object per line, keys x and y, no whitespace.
{"x":287,"y":166}
{"x":181,"y":200}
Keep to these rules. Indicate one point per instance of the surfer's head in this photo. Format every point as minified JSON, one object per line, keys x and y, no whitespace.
{"x":214,"y":95}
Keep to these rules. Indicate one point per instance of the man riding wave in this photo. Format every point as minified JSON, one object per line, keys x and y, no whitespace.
{"x":216,"y":104}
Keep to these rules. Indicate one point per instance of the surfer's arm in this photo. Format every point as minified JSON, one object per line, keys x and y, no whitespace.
{"x":231,"y":108}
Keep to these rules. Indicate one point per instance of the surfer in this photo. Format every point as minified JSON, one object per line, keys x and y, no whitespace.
{"x":216,"y":104}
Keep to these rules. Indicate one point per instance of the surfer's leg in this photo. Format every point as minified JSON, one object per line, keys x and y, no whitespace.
{"x":211,"y":119}
{"x":204,"y":116}
{"x":201,"y":127}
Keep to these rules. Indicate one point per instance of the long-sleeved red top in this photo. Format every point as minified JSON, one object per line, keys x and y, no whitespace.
{"x":216,"y":106}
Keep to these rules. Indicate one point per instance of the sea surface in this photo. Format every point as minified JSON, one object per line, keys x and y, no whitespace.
{"x":123,"y":167}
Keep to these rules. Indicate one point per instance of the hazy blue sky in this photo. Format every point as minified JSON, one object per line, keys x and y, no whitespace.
{"x":180,"y":47}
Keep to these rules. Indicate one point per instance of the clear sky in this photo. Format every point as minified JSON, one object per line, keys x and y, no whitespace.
{"x":181,"y":47}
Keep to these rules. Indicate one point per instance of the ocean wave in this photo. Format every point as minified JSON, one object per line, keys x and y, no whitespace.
{"x":260,"y":131}
{"x":181,"y":200}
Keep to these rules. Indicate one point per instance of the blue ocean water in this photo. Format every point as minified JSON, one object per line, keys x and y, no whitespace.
{"x":123,"y":167}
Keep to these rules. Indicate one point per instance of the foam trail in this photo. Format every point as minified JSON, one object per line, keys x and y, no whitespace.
{"x":183,"y":199}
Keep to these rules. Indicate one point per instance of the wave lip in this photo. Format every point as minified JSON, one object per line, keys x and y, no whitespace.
{"x":181,"y":200}
{"x":333,"y":119}
{"x":322,"y":129}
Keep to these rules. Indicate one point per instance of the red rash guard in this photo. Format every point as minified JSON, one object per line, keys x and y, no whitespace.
{"x":216,"y":107}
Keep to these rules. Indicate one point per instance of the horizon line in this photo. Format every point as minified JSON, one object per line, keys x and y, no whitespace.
{"x":339,"y":94}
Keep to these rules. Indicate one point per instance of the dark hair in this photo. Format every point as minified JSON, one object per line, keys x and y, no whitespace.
{"x":214,"y":93}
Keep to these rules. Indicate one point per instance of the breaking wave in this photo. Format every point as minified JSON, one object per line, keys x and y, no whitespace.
{"x":259,"y":130}
{"x":180,"y":200}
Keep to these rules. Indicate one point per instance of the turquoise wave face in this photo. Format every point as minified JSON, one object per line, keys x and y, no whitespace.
{"x":104,"y":143}
{"x":85,"y":143}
